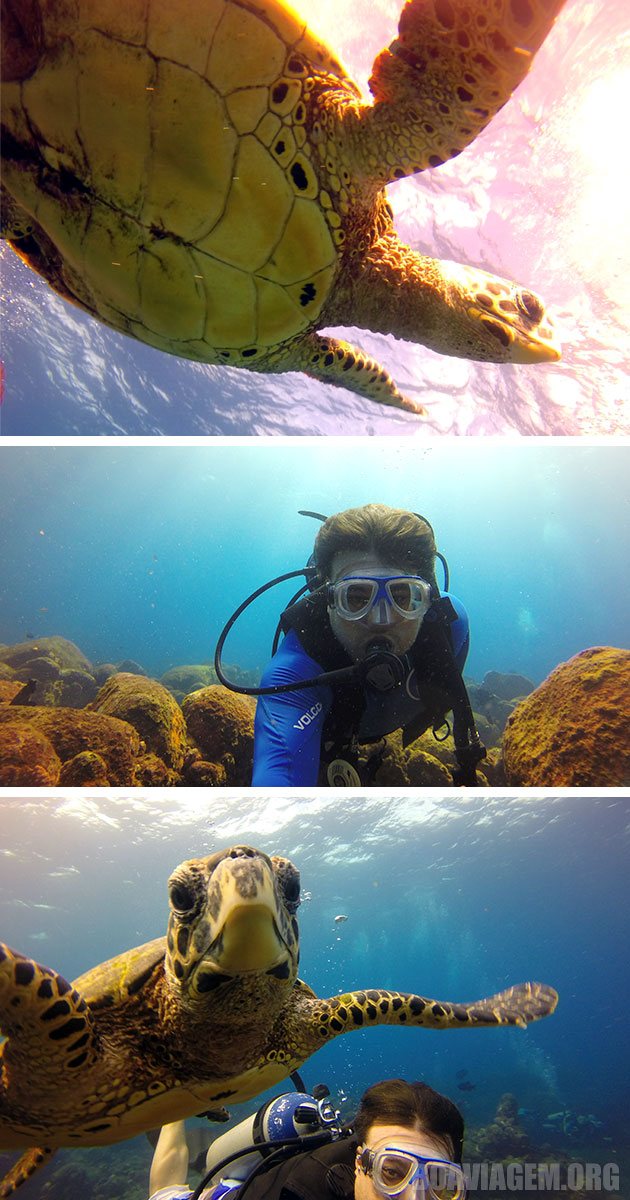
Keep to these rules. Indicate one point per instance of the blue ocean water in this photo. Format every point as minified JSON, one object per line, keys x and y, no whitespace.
{"x":144,"y":552}
{"x":452,"y":897}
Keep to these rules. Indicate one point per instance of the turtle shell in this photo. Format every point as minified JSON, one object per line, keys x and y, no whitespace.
{"x":168,"y":173}
{"x":118,"y":978}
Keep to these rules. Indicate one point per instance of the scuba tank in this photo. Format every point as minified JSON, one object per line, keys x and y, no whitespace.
{"x":289,"y":1124}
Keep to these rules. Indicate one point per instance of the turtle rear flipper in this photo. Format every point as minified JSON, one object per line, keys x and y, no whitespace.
{"x":444,"y":78}
{"x":21,"y":1171}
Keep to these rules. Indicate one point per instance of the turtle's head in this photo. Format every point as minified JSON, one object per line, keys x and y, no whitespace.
{"x":499,"y":321}
{"x":232,"y":916}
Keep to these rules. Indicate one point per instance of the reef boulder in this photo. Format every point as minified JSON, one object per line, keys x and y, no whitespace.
{"x":181,"y":681}
{"x":504,"y":1137}
{"x":64,"y":654}
{"x":26,"y":756}
{"x":61,"y":672}
{"x":221,"y":724}
{"x":151,"y":709}
{"x":86,"y":769}
{"x":573,"y":730}
{"x":507,"y":685}
{"x":71,"y":732}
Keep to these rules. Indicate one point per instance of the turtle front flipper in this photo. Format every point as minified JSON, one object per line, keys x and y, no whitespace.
{"x":49,"y":1035}
{"x":47,"y":1023}
{"x":331,"y":361}
{"x":452,"y":67}
{"x":518,"y":1005}
{"x":21,"y":1171}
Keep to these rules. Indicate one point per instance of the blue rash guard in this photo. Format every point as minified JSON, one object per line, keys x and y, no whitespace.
{"x":288,"y":727}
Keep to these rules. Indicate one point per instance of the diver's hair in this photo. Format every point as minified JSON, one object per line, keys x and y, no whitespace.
{"x":414,"y":1106}
{"x":393,"y":534}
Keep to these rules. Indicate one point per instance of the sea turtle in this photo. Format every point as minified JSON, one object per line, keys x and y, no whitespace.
{"x":211,"y":181}
{"x":213,"y":1013}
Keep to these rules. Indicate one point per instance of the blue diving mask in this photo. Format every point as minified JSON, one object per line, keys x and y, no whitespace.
{"x":354,"y":596}
{"x":393,"y":1170}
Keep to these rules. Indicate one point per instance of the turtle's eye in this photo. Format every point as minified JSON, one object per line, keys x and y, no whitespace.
{"x":291,"y":890}
{"x":182,"y":897}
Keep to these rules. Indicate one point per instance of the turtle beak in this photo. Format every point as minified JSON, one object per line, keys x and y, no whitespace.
{"x":246,"y":929}
{"x":249,"y":941}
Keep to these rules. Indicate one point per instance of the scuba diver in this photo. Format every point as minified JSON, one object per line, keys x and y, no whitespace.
{"x":371,"y":648}
{"x":405,"y":1143}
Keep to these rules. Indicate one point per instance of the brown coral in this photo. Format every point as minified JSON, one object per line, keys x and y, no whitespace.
{"x":9,"y":688}
{"x":26,"y":757}
{"x":222,"y":726}
{"x":573,"y":730}
{"x":152,"y":771}
{"x":63,"y":654}
{"x":86,"y":769}
{"x":152,"y":711}
{"x":72,"y":731}
{"x":181,"y":681}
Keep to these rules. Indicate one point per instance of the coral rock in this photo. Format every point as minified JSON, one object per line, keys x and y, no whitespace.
{"x":102,"y":672}
{"x":64,"y":654}
{"x":503,"y":1137}
{"x":205,"y":774}
{"x":151,"y":771}
{"x":221,"y":724}
{"x":423,"y":770}
{"x":86,"y":769}
{"x":507,"y":686}
{"x":573,"y":730}
{"x":9,"y":688}
{"x":181,"y":681}
{"x":151,"y":709}
{"x":26,"y":757}
{"x":129,"y":667}
{"x":72,"y":731}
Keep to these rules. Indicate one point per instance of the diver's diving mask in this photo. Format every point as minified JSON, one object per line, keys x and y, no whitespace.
{"x":393,"y":1170}
{"x":354,"y":596}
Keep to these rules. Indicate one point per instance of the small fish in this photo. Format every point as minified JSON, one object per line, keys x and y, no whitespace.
{"x":29,"y":637}
{"x":340,"y":919}
{"x":43,"y":608}
{"x":25,"y":694}
{"x":460,"y":1074}
{"x":467,"y":1086}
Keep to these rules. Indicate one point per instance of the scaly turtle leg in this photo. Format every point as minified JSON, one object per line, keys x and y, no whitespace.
{"x":21,"y":1171}
{"x":50,"y":1036}
{"x":452,"y":67}
{"x":331,"y":361}
{"x":321,"y":1020}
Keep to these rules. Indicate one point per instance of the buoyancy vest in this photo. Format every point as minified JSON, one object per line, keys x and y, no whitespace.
{"x":438,"y":679}
{"x":324,"y":1174}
